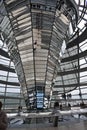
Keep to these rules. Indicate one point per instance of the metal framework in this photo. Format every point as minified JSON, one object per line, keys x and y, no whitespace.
{"x":35,"y":33}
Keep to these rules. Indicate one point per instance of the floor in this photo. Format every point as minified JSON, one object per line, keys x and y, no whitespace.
{"x":79,"y":125}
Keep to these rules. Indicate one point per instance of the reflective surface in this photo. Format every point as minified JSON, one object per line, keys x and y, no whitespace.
{"x":72,"y":69}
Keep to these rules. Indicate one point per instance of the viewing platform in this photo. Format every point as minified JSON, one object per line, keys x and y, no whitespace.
{"x":68,"y":125}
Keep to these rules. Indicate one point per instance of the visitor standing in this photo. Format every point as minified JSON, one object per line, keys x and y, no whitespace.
{"x":3,"y":119}
{"x":56,"y":107}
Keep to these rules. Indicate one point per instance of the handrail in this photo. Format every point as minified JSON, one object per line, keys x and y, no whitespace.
{"x":81,"y":38}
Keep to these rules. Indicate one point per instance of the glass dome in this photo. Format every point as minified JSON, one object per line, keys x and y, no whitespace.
{"x":71,"y":62}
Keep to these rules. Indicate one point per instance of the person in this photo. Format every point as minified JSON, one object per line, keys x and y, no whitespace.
{"x":61,"y":107}
{"x":56,"y":107}
{"x":69,"y":105}
{"x":19,"y":110}
{"x":3,"y":119}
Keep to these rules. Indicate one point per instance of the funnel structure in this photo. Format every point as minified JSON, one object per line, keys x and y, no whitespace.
{"x":34,"y":31}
